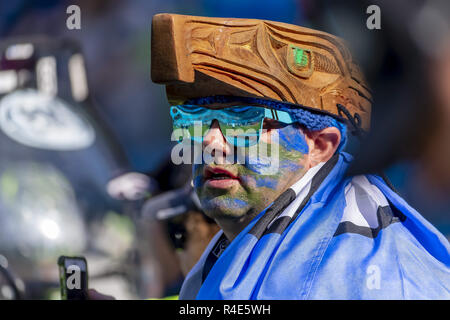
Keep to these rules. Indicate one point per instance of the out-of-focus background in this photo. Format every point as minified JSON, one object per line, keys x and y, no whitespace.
{"x":81,"y":191}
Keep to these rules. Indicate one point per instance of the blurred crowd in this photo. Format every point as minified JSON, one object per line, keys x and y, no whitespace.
{"x":106,"y":188}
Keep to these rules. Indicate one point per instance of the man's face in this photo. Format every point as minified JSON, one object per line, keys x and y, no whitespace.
{"x":238,"y":190}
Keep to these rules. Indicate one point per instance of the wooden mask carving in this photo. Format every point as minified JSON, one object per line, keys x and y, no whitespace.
{"x":199,"y":56}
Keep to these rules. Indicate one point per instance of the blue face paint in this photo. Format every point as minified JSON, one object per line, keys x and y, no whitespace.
{"x":228,"y":203}
{"x":267,"y":182}
{"x":198,"y":181}
{"x":292,"y":139}
{"x":257,"y":167}
{"x":290,"y":165}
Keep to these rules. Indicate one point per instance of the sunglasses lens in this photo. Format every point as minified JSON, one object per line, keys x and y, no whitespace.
{"x":198,"y":130}
{"x":244,"y":135}
{"x":239,"y":125}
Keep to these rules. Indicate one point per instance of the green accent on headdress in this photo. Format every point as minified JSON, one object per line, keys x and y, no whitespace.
{"x":301,"y":59}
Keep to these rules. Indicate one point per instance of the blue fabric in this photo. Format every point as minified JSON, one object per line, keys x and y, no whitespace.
{"x":308,"y":261}
{"x":310,"y":120}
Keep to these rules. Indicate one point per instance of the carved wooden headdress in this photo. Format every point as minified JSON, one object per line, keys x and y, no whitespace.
{"x":199,"y":57}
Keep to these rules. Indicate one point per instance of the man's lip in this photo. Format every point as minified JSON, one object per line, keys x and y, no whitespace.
{"x":225,"y":184}
{"x":210,"y":172}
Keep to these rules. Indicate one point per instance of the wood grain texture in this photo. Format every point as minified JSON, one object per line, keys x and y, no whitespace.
{"x":200,"y":56}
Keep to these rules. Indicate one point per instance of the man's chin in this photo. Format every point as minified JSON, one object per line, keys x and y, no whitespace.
{"x":225,"y":207}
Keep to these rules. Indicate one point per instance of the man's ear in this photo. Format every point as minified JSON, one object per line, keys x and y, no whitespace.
{"x":322,"y":144}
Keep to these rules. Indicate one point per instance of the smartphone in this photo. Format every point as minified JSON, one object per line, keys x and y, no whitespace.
{"x":73,"y":278}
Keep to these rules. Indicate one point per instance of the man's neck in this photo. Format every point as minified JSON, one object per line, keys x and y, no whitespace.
{"x":232,"y":227}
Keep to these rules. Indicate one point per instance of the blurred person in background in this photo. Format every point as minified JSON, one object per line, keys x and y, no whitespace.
{"x":58,"y":162}
{"x":174,"y":233}
{"x":178,"y":233}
